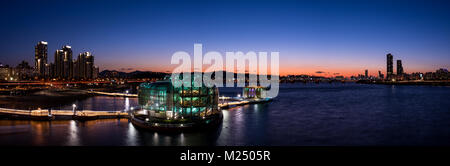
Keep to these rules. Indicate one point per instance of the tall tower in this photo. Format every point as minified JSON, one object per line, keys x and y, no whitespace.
{"x":40,"y":58}
{"x":81,"y":63}
{"x":89,"y":66}
{"x":59,"y":63}
{"x":390,"y":65}
{"x":366,"y":74}
{"x":67,"y":62}
{"x":96,"y":72}
{"x":75,"y":69}
{"x":85,"y":65}
{"x":399,"y":67}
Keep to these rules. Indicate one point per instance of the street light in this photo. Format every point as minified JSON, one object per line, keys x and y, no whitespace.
{"x":73,"y":108}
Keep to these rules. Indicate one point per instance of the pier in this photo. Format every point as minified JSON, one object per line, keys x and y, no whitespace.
{"x":40,"y":114}
{"x":229,"y":102}
{"x":112,"y":94}
{"x":50,"y":114}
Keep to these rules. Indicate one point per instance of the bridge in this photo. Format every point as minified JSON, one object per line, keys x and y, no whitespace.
{"x":229,"y":102}
{"x":40,"y":114}
{"x":49,"y":114}
{"x":111,"y":93}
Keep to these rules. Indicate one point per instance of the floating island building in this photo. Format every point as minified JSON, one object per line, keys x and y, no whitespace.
{"x":166,"y":107}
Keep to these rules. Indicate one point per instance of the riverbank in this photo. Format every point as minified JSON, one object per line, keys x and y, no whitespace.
{"x":430,"y":83}
{"x":43,"y":99}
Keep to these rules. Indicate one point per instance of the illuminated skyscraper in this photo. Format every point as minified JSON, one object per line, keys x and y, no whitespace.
{"x":67,"y":62}
{"x":64,"y":63}
{"x":399,"y":67}
{"x":390,"y":65}
{"x":81,"y":61}
{"x":59,"y":64}
{"x":65,"y":67}
{"x":366,"y":73}
{"x":85,"y":66}
{"x":89,"y":66}
{"x":40,"y":58}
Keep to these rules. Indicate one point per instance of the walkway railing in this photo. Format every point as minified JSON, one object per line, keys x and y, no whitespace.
{"x":113,"y":94}
{"x":77,"y":113}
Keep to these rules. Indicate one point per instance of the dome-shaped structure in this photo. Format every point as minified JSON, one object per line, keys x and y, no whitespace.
{"x":165,"y":106}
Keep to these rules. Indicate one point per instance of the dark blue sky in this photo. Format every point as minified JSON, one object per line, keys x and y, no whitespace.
{"x":332,"y":36}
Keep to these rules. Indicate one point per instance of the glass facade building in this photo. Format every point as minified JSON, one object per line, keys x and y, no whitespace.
{"x":254,"y":92}
{"x":161,"y":100}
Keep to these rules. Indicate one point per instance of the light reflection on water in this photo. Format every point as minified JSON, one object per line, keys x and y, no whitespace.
{"x":104,"y":103}
{"x":131,"y":136}
{"x":73,"y":134}
{"x":302,"y":114}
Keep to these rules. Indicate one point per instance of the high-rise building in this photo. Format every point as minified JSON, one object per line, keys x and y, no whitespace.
{"x":59,"y":64}
{"x":75,"y":69}
{"x":366,"y":73}
{"x":40,"y":58}
{"x":390,"y":65}
{"x":65,"y":67}
{"x":67,"y":62}
{"x":64,"y":63}
{"x":399,"y":67}
{"x":96,"y":72}
{"x":89,"y":66}
{"x":85,"y":65}
{"x":52,"y":70}
{"x":81,"y":61}
{"x":380,"y":75}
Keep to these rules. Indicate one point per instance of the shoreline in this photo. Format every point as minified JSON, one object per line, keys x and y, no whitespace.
{"x":421,"y":83}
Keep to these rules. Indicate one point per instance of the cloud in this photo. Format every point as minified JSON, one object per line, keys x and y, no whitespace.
{"x":320,"y":72}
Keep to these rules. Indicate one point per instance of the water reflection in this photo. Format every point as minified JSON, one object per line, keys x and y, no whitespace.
{"x":182,"y":139}
{"x":38,"y":132}
{"x":131,"y":136}
{"x":155,"y":138}
{"x":127,"y":104}
{"x":73,"y":139}
{"x":105,"y":103}
{"x":302,"y":114}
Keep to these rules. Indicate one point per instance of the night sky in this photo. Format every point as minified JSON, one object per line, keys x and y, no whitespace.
{"x":344,"y":37}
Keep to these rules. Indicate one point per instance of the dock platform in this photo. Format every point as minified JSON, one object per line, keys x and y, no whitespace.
{"x":47,"y":114}
{"x":40,"y":114}
{"x":234,"y":103}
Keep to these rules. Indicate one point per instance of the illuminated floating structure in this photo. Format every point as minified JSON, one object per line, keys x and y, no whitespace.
{"x":250,"y":95}
{"x":165,"y":107}
{"x":254,"y":92}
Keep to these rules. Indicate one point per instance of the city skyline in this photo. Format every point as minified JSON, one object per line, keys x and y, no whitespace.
{"x":314,"y":38}
{"x":64,"y":65}
{"x":207,"y":80}
{"x":73,"y":70}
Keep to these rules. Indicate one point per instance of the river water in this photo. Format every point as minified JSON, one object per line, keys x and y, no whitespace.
{"x":301,"y":115}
